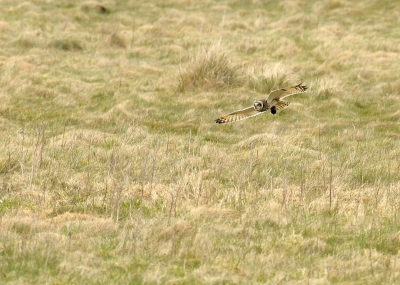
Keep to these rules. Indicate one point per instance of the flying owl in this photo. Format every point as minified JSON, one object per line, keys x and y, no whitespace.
{"x":272,"y":103}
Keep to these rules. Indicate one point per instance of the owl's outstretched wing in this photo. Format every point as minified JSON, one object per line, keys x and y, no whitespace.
{"x":281,"y":104}
{"x":238,"y":115}
{"x":285,"y":92}
{"x":278,"y":106}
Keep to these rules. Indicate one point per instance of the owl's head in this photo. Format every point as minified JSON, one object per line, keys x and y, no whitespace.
{"x":258,"y":105}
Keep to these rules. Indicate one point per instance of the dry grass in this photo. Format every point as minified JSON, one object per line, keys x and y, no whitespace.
{"x":112,"y":169}
{"x":266,"y":77}
{"x":210,"y":69}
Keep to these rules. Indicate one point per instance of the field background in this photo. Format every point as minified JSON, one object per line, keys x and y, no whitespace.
{"x":112,"y":170}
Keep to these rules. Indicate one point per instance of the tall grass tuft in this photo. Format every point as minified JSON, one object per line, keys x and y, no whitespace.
{"x":210,"y":69}
{"x":263,"y":78}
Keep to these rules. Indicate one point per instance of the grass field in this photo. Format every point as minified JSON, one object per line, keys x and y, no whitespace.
{"x":113,"y":171}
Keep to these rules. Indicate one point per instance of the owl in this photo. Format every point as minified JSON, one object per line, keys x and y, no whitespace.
{"x":272,"y":104}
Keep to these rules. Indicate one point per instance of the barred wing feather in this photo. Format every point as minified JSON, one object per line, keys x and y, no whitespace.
{"x":238,"y":115}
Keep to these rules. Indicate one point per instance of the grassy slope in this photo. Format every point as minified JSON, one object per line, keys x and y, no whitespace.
{"x":112,"y":170}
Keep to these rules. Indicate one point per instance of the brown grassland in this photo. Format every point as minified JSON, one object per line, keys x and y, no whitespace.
{"x":113,"y":171}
